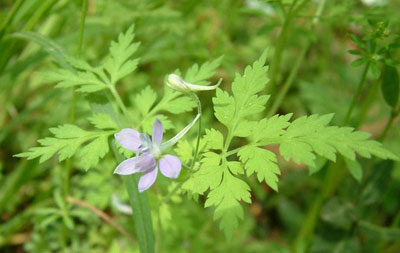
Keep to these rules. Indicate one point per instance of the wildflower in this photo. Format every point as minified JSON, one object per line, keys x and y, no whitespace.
{"x":177,"y":83}
{"x":149,"y":154}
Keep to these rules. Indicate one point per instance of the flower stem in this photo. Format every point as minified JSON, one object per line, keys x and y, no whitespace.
{"x":140,"y":209}
{"x":196,"y":151}
{"x":357,"y":94}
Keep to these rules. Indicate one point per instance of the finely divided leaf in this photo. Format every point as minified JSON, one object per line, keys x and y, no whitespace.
{"x":68,"y":139}
{"x":199,"y":75}
{"x":261,"y":161}
{"x":214,"y":139}
{"x":119,"y":64}
{"x":226,"y":198}
{"x":103,"y":121}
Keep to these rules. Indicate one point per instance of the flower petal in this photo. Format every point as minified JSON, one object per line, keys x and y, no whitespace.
{"x":147,"y":180}
{"x":127,"y":167}
{"x":136,"y":164}
{"x":128,"y":138}
{"x":157,"y":132}
{"x":170,"y":166}
{"x":146,"y":162}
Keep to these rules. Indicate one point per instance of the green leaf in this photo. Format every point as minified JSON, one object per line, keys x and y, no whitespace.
{"x":67,"y":141}
{"x":174,"y":102}
{"x":226,"y":198}
{"x":145,"y":100}
{"x":103,"y":121}
{"x":355,"y":169}
{"x":91,"y":153}
{"x":260,"y":161}
{"x":119,"y":64}
{"x":199,"y":75}
{"x":214,"y":139}
{"x":310,"y":135}
{"x":210,"y":173}
{"x":379,"y":232}
{"x":390,"y":85}
{"x":224,"y":107}
{"x":87,"y":81}
{"x":184,"y":151}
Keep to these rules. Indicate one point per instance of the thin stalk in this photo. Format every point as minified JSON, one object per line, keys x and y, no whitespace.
{"x":140,"y":209}
{"x":288,"y":83}
{"x":281,"y":43}
{"x":333,"y":177}
{"x":141,"y":213}
{"x":357,"y":94}
{"x":367,"y":102}
{"x":389,"y":125}
{"x":293,"y":73}
{"x":196,"y":151}
{"x":10,"y":17}
{"x":118,"y":99}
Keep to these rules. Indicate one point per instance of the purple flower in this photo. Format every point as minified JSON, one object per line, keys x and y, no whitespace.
{"x":149,"y":155}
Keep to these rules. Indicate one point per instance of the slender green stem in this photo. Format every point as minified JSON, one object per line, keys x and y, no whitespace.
{"x":196,"y":151}
{"x":140,"y":209}
{"x":10,"y":17}
{"x":82,"y":25}
{"x":288,"y":83}
{"x":357,"y":94}
{"x":293,"y":73}
{"x":367,"y":102}
{"x":389,"y":125}
{"x":141,"y":214}
{"x":333,"y":177}
{"x":118,"y":99}
{"x":281,"y":44}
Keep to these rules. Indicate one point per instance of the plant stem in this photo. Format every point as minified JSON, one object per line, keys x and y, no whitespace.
{"x":389,"y":124}
{"x":118,"y":99}
{"x":293,"y":73}
{"x":10,"y":17}
{"x":281,"y":43}
{"x":196,"y":151}
{"x":82,"y":25}
{"x":356,"y":95}
{"x":141,"y":214}
{"x":140,"y":209}
{"x":288,"y":83}
{"x":333,"y":177}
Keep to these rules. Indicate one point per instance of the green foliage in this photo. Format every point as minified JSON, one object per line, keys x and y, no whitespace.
{"x":301,"y":140}
{"x":69,"y":138}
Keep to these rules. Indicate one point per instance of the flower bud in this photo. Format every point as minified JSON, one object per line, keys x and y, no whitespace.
{"x":177,"y":83}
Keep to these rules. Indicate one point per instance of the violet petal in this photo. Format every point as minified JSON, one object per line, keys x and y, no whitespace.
{"x":170,"y":166}
{"x":148,"y":178}
{"x":157,"y":132}
{"x":128,"y":138}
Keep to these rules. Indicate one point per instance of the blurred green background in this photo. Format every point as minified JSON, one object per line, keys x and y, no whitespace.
{"x":59,"y":207}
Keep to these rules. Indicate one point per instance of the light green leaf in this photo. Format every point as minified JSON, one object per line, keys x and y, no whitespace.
{"x":91,"y":153}
{"x":103,"y":121}
{"x":260,"y":161}
{"x":226,"y":198}
{"x":214,"y":139}
{"x":119,"y":64}
{"x":199,"y":75}
{"x":145,"y":100}
{"x":355,"y":169}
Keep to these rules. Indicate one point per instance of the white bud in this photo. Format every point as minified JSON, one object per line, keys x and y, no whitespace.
{"x":177,"y":83}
